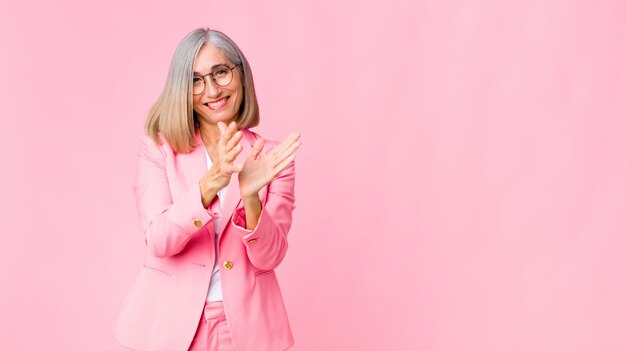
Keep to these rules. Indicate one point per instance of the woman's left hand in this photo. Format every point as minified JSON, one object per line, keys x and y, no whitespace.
{"x":259,"y":171}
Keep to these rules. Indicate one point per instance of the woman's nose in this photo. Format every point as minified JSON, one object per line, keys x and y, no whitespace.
{"x":211,"y":89}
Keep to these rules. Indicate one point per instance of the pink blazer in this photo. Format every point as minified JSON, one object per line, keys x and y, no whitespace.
{"x":162,"y":309}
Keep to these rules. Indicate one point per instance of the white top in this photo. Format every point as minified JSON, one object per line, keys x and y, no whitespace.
{"x":215,"y":287}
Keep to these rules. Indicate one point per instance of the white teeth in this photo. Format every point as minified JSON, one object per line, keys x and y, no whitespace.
{"x":217,"y":104}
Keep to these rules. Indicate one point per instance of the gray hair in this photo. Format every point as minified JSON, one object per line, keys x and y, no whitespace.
{"x":172,"y":115}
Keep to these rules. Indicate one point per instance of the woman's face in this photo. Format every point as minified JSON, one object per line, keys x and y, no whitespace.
{"x":216,"y":103}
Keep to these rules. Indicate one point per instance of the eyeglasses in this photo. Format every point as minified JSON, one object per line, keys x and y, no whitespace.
{"x":222,"y":76}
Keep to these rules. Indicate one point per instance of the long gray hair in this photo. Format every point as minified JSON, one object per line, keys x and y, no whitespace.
{"x":172,"y":115}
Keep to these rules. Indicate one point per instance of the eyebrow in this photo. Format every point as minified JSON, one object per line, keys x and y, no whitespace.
{"x":212,"y":67}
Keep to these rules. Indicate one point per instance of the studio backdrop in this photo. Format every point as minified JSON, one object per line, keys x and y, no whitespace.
{"x":461,"y":183}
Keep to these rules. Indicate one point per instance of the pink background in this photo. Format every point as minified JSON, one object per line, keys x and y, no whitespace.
{"x":461,"y":184}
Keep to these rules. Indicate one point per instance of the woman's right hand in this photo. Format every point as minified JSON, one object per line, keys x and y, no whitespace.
{"x":223,"y":167}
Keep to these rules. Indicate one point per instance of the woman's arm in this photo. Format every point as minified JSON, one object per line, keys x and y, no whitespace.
{"x":252,"y":207}
{"x":167,"y":224}
{"x":266,"y":243}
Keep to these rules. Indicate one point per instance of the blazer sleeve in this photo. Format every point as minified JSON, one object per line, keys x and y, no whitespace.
{"x":266,"y":245}
{"x":168,"y":224}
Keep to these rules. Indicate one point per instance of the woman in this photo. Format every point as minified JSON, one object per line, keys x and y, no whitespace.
{"x":215,"y":202}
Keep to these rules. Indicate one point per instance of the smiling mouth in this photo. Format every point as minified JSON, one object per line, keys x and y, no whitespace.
{"x":216,"y":105}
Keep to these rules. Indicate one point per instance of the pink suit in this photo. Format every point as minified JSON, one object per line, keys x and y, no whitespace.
{"x":166,"y":300}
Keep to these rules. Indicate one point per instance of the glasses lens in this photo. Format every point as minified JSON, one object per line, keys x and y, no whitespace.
{"x":222,"y":76}
{"x":198,"y":85}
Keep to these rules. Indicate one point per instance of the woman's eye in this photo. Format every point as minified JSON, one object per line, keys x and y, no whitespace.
{"x":196,"y":79}
{"x":220,"y":72}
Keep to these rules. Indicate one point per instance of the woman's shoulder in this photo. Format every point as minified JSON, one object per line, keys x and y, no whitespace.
{"x":155,"y":141}
{"x":155,"y":146}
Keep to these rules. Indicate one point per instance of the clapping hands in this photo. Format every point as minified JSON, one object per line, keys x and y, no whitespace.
{"x":257,"y":171}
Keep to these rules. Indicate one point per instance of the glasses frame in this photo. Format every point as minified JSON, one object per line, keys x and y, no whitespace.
{"x":213,"y":78}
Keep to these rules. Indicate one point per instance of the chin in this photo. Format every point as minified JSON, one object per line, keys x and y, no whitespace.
{"x":224,"y":119}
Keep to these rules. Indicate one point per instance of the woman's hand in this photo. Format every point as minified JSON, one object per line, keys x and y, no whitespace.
{"x":259,"y":171}
{"x":223,"y":166}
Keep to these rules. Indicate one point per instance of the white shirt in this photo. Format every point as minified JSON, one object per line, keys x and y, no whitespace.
{"x":215,"y":287}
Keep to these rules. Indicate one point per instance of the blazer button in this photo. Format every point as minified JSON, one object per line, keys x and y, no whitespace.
{"x":197,"y":223}
{"x":228,"y":265}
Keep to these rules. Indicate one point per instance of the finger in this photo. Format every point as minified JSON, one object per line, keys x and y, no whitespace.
{"x":229,"y":132}
{"x":280,"y":156}
{"x":291,"y":138}
{"x":226,"y":134}
{"x":232,"y":154}
{"x":232,"y":127}
{"x":225,"y":129}
{"x":282,"y":165}
{"x":222,"y":128}
{"x":232,"y":142}
{"x":233,"y":168}
{"x":256,"y":148}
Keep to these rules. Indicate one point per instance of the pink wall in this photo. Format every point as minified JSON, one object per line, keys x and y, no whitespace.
{"x":461,"y":184}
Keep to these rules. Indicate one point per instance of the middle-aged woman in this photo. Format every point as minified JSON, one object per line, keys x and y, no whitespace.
{"x":215,"y":202}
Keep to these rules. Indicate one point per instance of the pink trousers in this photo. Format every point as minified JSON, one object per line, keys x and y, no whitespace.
{"x":212,"y":333}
